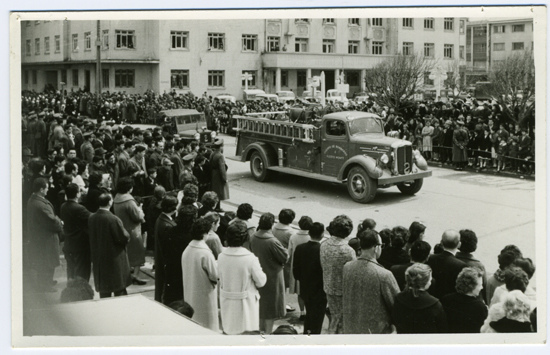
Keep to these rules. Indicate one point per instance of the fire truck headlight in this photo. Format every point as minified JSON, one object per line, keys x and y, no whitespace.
{"x":384,"y":158}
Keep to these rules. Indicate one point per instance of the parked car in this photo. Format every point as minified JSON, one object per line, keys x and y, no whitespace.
{"x":226,"y":98}
{"x":189,"y":124}
{"x":267,"y":97}
{"x":285,"y":96}
{"x":251,"y":94}
{"x":334,"y":95}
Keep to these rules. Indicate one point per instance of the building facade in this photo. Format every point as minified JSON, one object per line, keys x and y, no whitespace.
{"x":213,"y":55}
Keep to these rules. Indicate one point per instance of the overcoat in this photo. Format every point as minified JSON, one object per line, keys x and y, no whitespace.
{"x":132,"y":217}
{"x":421,"y":314}
{"x":272,"y":256}
{"x":200,"y":278}
{"x":108,"y":240}
{"x":300,"y":237}
{"x":460,"y":139}
{"x":162,"y":225}
{"x":42,"y":230}
{"x":219,"y":175}
{"x":240,"y":276}
{"x":283,"y":233}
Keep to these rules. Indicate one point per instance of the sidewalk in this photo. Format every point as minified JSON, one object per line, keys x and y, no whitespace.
{"x":485,"y":171}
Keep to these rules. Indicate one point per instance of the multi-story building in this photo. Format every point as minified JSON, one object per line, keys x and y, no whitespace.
{"x":212,"y":55}
{"x":490,"y":42}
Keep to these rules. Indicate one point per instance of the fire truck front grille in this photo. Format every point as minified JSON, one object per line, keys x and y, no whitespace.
{"x":404,"y":159}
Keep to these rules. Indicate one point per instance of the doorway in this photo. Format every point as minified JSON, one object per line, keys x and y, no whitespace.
{"x":329,"y":79}
{"x":51,"y":79}
{"x":88,"y":80}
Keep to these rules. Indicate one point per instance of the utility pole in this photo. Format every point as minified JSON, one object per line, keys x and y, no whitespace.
{"x":98,"y":62}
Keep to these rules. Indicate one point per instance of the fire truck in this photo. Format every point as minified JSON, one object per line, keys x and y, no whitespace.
{"x":345,"y":147}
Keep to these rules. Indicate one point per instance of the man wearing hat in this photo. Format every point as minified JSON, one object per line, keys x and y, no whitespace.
{"x":460,"y":142}
{"x":87,"y":149}
{"x":186,"y":175}
{"x":219,"y":172}
{"x":165,"y":176}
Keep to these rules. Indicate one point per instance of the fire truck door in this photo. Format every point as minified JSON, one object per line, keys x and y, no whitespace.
{"x":334,"y":146}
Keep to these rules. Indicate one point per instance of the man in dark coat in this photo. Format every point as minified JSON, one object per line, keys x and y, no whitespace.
{"x":163,"y":224}
{"x":219,"y":171}
{"x":186,"y":175}
{"x":445,"y":266}
{"x":42,"y":234}
{"x":446,"y":151}
{"x":420,"y":251}
{"x":87,"y":149}
{"x":307,"y":269}
{"x":108,"y":240}
{"x":39,"y":133}
{"x":77,"y":243}
{"x":460,"y":144}
{"x":165,"y":176}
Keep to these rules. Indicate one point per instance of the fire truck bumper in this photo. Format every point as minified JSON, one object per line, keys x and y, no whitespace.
{"x":400,"y":178}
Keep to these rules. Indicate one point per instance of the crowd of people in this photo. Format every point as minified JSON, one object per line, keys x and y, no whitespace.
{"x":107,"y":196}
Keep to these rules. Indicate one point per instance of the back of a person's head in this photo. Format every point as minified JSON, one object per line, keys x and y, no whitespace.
{"x":124,"y":185}
{"x":399,"y":237}
{"x":340,"y":227}
{"x":266,"y":221}
{"x":417,"y":276}
{"x":245,"y":211}
{"x":183,"y":308}
{"x":420,"y":251}
{"x":516,"y":279}
{"x":285,"y":329}
{"x":191,"y":191}
{"x":159,"y":192}
{"x":187,"y":215}
{"x":169,"y":204}
{"x":286,"y":216}
{"x":517,"y":306}
{"x":316,"y":231}
{"x":468,"y":279}
{"x":77,"y":290}
{"x":104,"y":199}
{"x":416,"y":229}
{"x":305,"y":223}
{"x":71,"y":191}
{"x":468,"y":241}
{"x":367,"y":223}
{"x":386,"y":236}
{"x":512,"y":249}
{"x":368,"y":239}
{"x":201,"y":227}
{"x":505,"y":259}
{"x":95,"y":179}
{"x":450,"y":239}
{"x":209,"y":200}
{"x":236,"y":234}
{"x":526,"y":264}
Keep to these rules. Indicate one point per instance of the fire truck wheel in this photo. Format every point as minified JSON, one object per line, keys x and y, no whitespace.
{"x":410,"y":187}
{"x":258,"y":167}
{"x":361,"y":187}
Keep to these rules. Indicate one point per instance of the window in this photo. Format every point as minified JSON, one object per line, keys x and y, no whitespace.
{"x":517,"y":46}
{"x":179,"y":79}
{"x":335,"y":128}
{"x":124,"y":78}
{"x":28,"y":48}
{"x":461,"y":30}
{"x":499,"y":29}
{"x":75,"y":42}
{"x":300,"y":45}
{"x":284,"y":77}
{"x":448,"y":50}
{"x":105,"y":39}
{"x":498,"y":47}
{"x":352,"y":78}
{"x":377,"y":22}
{"x":28,"y":23}
{"x":272,"y":44}
{"x":57,"y":44}
{"x":408,"y":22}
{"x":46,"y":45}
{"x":353,"y":47}
{"x":250,"y":43}
{"x":461,"y":52}
{"x":429,"y":50}
{"x":75,"y":77}
{"x":301,"y":78}
{"x":26,"y":76}
{"x":377,"y":47}
{"x":88,"y":41}
{"x":215,"y":78}
{"x":427,"y":80}
{"x":34,"y":77}
{"x":64,"y":76}
{"x":179,"y":39}
{"x":216,"y":41}
{"x":354,"y":21}
{"x":448,"y":24}
{"x":429,"y":23}
{"x":468,"y":57}
{"x":105,"y":78}
{"x":36,"y":46}
{"x":480,"y":48}
{"x":328,"y":46}
{"x":302,"y":20}
{"x":328,"y":20}
{"x":125,"y":39}
{"x":408,"y":48}
{"x":480,"y":31}
{"x":251,"y":82}
{"x":518,"y":28}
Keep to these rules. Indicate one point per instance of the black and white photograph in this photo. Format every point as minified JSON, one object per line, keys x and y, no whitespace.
{"x":278,"y":176}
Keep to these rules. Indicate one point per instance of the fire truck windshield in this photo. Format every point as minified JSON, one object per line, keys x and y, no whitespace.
{"x":365,"y":125}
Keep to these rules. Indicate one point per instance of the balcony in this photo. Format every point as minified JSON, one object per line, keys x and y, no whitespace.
{"x":286,"y":60}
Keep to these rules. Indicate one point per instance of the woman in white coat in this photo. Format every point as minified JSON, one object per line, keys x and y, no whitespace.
{"x":200,"y":277}
{"x":240,"y":277}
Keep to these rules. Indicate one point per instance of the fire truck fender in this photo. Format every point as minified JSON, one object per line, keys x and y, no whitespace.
{"x":366,"y":162}
{"x":267,"y":152}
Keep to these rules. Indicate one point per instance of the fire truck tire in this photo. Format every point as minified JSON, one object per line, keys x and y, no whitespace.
{"x":361,"y":187}
{"x":410,"y":187}
{"x":258,"y":167}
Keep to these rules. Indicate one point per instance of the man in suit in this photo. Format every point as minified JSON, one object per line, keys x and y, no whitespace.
{"x":307,"y":269}
{"x":524,"y":144}
{"x":163,"y":224}
{"x":420,"y":251}
{"x":108,"y":240}
{"x":77,"y":243}
{"x":445,"y":265}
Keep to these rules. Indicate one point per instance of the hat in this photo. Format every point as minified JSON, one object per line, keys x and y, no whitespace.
{"x":26,"y":152}
{"x":460,"y":122}
{"x":448,"y":122}
{"x":100,"y":151}
{"x":188,"y":158}
{"x":167,"y":161}
{"x":218,"y":143}
{"x":87,"y":134}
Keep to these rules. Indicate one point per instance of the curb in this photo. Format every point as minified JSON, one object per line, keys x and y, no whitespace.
{"x":489,"y":171}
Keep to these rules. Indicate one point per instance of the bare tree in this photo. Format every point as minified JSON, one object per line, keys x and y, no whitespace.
{"x":513,"y":85}
{"x":396,"y":79}
{"x":454,"y":81}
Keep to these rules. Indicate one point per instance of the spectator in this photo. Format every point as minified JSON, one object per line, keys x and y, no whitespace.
{"x":308,"y":271}
{"x":511,"y":315}
{"x":416,"y":232}
{"x":395,"y":254}
{"x":506,"y":258}
{"x":153,"y":211}
{"x":420,"y":251}
{"x":468,"y":245}
{"x":163,"y":224}
{"x":300,"y":237}
{"x":465,"y":311}
{"x":273,"y":256}
{"x":240,"y":277}
{"x":212,"y":240}
{"x":182,"y":308}
{"x":200,"y":278}
{"x":282,"y":231}
{"x":335,"y":253}
{"x":369,"y":290}
{"x":209,"y":201}
{"x":515,"y":278}
{"x":244,"y":214}
{"x":77,"y":290}
{"x":367,"y":224}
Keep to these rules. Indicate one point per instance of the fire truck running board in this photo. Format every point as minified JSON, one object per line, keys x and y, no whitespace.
{"x":304,"y":174}
{"x":234,"y":157}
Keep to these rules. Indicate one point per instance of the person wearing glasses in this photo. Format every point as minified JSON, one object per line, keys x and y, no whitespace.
{"x":369,"y":290}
